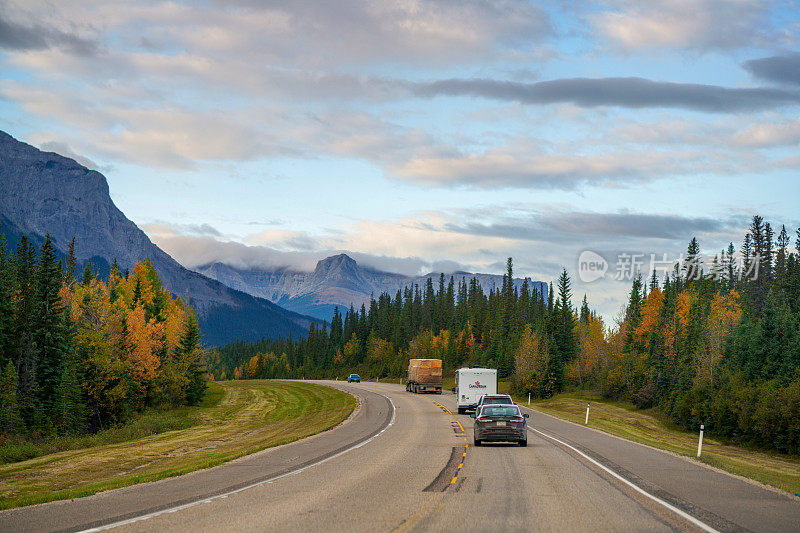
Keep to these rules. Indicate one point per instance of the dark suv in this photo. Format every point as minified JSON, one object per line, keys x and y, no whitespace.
{"x":498,"y":422}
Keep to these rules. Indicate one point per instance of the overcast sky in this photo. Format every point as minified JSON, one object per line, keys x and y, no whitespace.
{"x":419,"y":135}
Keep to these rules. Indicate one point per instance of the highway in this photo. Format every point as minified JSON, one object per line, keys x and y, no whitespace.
{"x":405,"y":462}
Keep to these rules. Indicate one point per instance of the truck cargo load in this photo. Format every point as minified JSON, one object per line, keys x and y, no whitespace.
{"x":424,"y":375}
{"x":472,"y":383}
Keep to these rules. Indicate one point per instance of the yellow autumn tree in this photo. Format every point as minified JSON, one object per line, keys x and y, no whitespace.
{"x":531,"y":359}
{"x":147,"y":343}
{"x":593,"y":352}
{"x":352,"y":349}
{"x":724,"y":315}
{"x":379,"y":350}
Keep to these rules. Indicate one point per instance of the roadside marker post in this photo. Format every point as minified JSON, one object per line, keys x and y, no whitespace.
{"x":700,"y":443}
{"x":587,"y":415}
{"x":529,"y":398}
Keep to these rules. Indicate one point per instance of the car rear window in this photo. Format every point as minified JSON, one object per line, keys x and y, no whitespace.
{"x":497,"y":399}
{"x":500,"y":410}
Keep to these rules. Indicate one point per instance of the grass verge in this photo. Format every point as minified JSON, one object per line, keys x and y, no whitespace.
{"x":151,"y":422}
{"x":247,"y":416}
{"x":647,"y":426}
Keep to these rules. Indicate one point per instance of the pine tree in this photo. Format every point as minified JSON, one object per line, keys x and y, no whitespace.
{"x":69,"y":277}
{"x":692,"y":264}
{"x":87,"y":275}
{"x":633,"y":313}
{"x":781,"y":256}
{"x":564,"y":341}
{"x":191,"y":350}
{"x":6,"y":304}
{"x":70,"y":408}
{"x":730,"y":262}
{"x":769,"y":237}
{"x":10,"y":414}
{"x":585,"y":312}
{"x":747,"y":255}
{"x":50,"y":335}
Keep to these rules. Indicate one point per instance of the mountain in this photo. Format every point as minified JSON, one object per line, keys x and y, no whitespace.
{"x":43,"y":192}
{"x":336,"y":281}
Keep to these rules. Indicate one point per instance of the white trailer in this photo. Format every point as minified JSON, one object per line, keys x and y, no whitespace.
{"x":472,"y":383}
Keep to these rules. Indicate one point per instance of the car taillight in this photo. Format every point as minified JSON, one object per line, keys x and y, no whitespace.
{"x":481,"y":419}
{"x":518,"y":419}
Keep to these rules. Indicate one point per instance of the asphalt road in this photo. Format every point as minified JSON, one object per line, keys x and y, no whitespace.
{"x":413,"y":468}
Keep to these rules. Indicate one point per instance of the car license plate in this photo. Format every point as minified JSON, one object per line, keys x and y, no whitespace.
{"x":501,"y":424}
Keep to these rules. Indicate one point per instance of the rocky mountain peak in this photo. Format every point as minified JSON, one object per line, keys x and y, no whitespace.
{"x":334,"y":263}
{"x":44,"y":192}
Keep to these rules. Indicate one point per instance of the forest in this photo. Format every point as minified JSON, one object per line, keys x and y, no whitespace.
{"x":77,"y":356}
{"x":717,"y":343}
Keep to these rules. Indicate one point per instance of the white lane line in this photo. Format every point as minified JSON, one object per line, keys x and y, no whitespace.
{"x":177,"y":508}
{"x":682,"y":514}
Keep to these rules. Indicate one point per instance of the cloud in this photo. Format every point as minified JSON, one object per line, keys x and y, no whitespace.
{"x":194,"y":252}
{"x":284,"y":240}
{"x":769,"y":134}
{"x":19,"y":37}
{"x":623,"y":92}
{"x":319,"y":33}
{"x":167,"y":229}
{"x":554,"y":226}
{"x":65,"y":150}
{"x":633,"y":25}
{"x":472,"y":239}
{"x":778,"y":69}
{"x":524,"y":164}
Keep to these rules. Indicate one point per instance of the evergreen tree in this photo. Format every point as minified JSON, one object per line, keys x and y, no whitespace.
{"x":747,"y":255}
{"x":191,"y":350}
{"x":692,"y":264}
{"x":633,"y":313}
{"x":50,"y":334}
{"x":564,"y":342}
{"x":87,"y":275}
{"x":769,"y":237}
{"x":6,"y":304}
{"x":781,"y":257}
{"x":69,"y":277}
{"x":10,"y":414}
{"x":585,"y":312}
{"x":71,"y":414}
{"x":731,"y":265}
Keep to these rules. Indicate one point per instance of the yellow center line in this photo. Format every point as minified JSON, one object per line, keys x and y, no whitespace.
{"x":454,"y":480}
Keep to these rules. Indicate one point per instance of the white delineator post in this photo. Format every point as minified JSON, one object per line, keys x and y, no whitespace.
{"x":587,"y":414}
{"x":700,"y":443}
{"x":529,"y":398}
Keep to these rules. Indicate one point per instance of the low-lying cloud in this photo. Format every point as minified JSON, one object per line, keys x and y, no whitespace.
{"x":628,"y":92}
{"x":777,"y":69}
{"x":21,"y":37}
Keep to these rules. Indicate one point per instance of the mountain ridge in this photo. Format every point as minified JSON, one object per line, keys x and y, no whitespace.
{"x":336,"y":281}
{"x":44,"y":192}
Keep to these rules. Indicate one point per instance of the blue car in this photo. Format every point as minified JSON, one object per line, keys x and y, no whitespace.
{"x":354,"y":378}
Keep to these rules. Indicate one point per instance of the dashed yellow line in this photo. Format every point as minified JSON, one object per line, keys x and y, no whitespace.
{"x":455,"y":424}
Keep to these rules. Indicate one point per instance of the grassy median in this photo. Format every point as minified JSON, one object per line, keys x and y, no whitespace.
{"x":648,"y":427}
{"x":248,"y":416}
